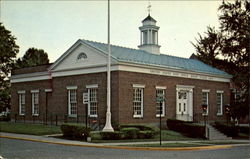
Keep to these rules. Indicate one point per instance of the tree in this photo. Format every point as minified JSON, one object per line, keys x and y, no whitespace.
{"x":8,"y":52}
{"x":228,"y":48}
{"x":32,"y":57}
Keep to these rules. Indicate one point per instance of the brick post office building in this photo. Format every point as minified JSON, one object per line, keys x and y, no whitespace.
{"x":138,"y":76}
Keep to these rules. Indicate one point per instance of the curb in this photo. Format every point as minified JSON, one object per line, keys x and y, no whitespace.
{"x":213,"y":147}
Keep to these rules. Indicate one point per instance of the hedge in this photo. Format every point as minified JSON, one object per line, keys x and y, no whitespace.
{"x":116,"y":135}
{"x":229,"y":130}
{"x":146,"y":134}
{"x":141,"y":127}
{"x":130,"y":133}
{"x":186,"y":128}
{"x":75,"y":131}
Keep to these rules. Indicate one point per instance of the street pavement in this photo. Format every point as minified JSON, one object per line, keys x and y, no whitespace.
{"x":17,"y":146}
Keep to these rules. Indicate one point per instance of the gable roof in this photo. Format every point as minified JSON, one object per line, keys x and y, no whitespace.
{"x":137,"y":56}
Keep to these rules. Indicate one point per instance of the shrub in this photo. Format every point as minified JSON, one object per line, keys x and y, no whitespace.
{"x":130,"y":133}
{"x":186,"y":128}
{"x":244,"y":129}
{"x":141,"y":127}
{"x":75,"y":131}
{"x":229,"y":130}
{"x":146,"y":134}
{"x":116,"y":135}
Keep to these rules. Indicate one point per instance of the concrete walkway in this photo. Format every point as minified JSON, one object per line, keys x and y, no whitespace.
{"x":124,"y":145}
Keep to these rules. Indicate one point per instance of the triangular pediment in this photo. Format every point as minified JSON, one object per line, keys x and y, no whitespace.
{"x":80,"y":55}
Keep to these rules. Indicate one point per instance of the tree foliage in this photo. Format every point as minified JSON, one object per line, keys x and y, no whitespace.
{"x":8,"y":52}
{"x":32,"y":57}
{"x":228,"y":48}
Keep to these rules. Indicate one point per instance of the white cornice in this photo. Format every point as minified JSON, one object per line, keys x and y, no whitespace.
{"x":30,"y":77}
{"x":172,"y":72}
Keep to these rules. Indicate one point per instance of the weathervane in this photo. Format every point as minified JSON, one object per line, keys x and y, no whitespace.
{"x":149,"y":7}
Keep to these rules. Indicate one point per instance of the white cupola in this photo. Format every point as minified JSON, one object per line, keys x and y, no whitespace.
{"x":149,"y":35}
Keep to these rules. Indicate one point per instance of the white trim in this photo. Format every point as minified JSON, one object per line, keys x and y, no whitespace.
{"x":19,"y":101}
{"x":206,"y":90}
{"x":221,"y":102}
{"x":142,"y":99}
{"x":171,"y":72}
{"x":92,"y":86}
{"x":71,"y":87}
{"x":69,"y":104}
{"x":174,"y":72}
{"x":219,"y":91}
{"x":37,"y":76}
{"x":160,"y":87}
{"x":21,"y":92}
{"x":138,"y":86}
{"x":164,"y":101}
{"x":184,"y":87}
{"x":34,"y":91}
{"x":48,"y":90}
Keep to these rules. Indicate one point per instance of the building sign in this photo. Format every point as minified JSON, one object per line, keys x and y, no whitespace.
{"x":85,"y":98}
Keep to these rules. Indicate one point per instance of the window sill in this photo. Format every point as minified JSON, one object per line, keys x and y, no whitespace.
{"x":72,"y":115}
{"x":204,"y":114}
{"x":137,"y":116}
{"x":93,"y":116}
{"x":219,"y":114}
{"x":158,"y":116}
{"x":22,"y":114}
{"x":35,"y":115}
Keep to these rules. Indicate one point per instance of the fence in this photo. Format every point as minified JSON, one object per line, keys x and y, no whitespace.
{"x":58,"y":119}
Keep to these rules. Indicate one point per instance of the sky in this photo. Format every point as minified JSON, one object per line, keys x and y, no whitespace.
{"x":55,"y":26}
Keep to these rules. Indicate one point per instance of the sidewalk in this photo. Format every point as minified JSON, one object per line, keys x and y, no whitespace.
{"x":124,"y":145}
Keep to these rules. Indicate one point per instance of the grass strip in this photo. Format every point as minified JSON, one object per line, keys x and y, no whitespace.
{"x":30,"y":129}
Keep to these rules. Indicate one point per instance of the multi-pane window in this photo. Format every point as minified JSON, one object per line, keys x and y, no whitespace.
{"x":138,"y":101}
{"x":160,"y":102}
{"x":35,"y":102}
{"x":72,"y":100}
{"x":92,"y":102}
{"x":205,"y":95}
{"x":219,"y":102}
{"x":21,"y":102}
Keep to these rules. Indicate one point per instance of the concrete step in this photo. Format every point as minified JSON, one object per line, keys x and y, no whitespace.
{"x":214,"y":134}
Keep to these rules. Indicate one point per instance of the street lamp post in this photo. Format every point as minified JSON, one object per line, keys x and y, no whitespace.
{"x":227,"y":111}
{"x":204,"y":113}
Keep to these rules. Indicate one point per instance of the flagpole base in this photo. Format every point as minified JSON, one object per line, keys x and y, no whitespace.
{"x":108,"y":127}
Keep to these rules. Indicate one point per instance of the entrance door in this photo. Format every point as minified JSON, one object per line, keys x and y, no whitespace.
{"x":184,"y":103}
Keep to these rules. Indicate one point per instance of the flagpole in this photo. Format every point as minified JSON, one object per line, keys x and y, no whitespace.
{"x":108,"y":127}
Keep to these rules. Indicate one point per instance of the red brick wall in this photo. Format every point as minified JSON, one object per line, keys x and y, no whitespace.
{"x":127,"y":79}
{"x":121,"y":96}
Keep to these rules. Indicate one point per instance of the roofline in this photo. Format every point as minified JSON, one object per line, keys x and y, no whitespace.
{"x":77,"y":43}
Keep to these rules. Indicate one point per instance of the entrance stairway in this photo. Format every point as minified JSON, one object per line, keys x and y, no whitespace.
{"x":214,"y":134}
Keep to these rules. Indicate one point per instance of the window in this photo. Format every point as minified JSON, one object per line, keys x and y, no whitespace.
{"x":219,"y":102}
{"x":21,"y":95}
{"x":138,"y":101}
{"x":72,"y":101}
{"x":160,"y":108}
{"x":35,"y":102}
{"x":205,"y":95}
{"x":92,"y":104}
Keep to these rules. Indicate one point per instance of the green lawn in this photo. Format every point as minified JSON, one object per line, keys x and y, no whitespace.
{"x":167,"y":135}
{"x":31,"y":129}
